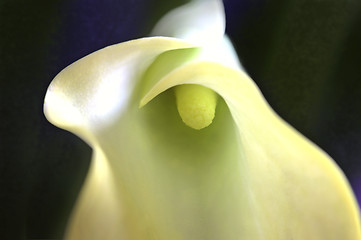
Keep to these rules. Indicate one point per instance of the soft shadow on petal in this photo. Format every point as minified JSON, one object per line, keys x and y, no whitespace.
{"x":175,"y":182}
{"x":291,"y":188}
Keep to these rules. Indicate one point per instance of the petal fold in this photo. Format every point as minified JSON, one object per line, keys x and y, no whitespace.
{"x":92,"y":91}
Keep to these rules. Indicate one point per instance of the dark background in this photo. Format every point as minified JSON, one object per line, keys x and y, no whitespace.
{"x":303,"y":54}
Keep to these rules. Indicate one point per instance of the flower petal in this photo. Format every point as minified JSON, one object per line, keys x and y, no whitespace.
{"x":291,"y":189}
{"x":249,"y":175}
{"x":93,"y":90}
{"x":200,"y":22}
{"x":151,"y":176}
{"x":172,"y":182}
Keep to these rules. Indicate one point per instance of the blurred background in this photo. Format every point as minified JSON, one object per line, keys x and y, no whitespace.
{"x":303,"y":54}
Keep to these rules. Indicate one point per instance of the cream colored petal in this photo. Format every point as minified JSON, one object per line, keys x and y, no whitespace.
{"x":151,"y":177}
{"x":87,"y":95}
{"x":247,"y":176}
{"x":161,"y":179}
{"x":98,"y":211}
{"x":290,"y":188}
{"x":200,"y":22}
{"x":174,"y":182}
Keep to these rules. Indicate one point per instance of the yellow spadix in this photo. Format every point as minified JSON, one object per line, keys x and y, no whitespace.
{"x":196,"y":105}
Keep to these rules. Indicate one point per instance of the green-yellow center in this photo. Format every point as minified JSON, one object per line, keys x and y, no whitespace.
{"x":196,"y":105}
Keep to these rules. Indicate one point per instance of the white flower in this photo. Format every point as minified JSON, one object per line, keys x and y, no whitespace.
{"x":245,"y":175}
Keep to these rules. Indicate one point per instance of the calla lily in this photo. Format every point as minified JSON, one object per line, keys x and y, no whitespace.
{"x":246,"y":174}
